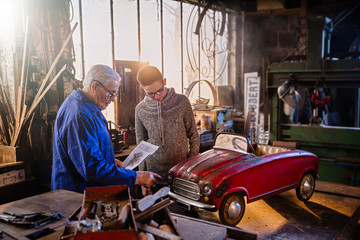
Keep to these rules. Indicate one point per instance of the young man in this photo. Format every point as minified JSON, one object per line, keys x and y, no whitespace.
{"x":83,"y":155}
{"x":164,"y":118}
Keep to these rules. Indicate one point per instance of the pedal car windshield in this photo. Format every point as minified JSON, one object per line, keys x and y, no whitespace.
{"x":233,"y":142}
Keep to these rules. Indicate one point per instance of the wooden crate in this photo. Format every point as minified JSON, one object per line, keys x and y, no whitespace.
{"x":10,"y":154}
{"x":131,"y":230}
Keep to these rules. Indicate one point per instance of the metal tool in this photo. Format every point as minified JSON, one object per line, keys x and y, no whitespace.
{"x":29,"y":219}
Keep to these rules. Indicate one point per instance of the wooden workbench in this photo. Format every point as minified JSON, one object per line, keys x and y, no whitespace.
{"x":62,"y":201}
{"x":68,"y":202}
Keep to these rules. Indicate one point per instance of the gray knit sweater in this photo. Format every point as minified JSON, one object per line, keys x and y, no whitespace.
{"x":170,"y":125}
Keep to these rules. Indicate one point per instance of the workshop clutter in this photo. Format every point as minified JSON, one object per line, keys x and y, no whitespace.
{"x":29,"y":220}
{"x":110,"y":213}
{"x":121,"y":138}
{"x":12,"y":165}
{"x":219,"y":119}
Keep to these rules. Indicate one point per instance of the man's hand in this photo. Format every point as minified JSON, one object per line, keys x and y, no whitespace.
{"x":144,"y":191}
{"x":118,"y":163}
{"x":146,"y":178}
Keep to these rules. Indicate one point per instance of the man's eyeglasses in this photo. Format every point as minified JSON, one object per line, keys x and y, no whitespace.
{"x":157,"y":93}
{"x":110,"y":94}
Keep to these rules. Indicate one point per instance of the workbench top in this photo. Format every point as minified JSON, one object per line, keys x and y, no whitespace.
{"x":62,"y":201}
{"x":68,"y":202}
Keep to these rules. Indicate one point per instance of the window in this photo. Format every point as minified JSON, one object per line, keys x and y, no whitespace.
{"x":170,"y":44}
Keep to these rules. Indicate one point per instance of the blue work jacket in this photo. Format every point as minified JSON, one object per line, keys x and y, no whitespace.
{"x":83,"y":155}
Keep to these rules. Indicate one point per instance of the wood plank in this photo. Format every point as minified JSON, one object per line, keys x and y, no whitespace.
{"x":37,"y":101}
{"x":53,"y":65}
{"x":3,"y":127}
{"x":40,"y":94}
{"x":15,"y":140}
{"x":23,"y":67}
{"x":18,"y":129}
{"x":158,"y":232}
{"x":208,"y":230}
{"x":6,"y":116}
{"x":352,"y":228}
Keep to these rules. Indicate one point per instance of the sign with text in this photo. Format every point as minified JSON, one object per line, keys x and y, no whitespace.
{"x":263,"y":136}
{"x":253,"y":102}
{"x":246,"y":88}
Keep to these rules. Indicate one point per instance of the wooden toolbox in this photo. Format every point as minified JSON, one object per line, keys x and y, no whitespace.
{"x":110,"y":213}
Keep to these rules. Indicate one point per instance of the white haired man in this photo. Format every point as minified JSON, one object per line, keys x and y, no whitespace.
{"x":83,"y":155}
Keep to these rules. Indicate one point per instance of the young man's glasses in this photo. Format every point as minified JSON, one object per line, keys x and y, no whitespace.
{"x":110,"y":94}
{"x":157,"y":93}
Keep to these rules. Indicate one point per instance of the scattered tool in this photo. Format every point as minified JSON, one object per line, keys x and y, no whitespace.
{"x":149,"y":200}
{"x":41,"y":233}
{"x":29,"y":219}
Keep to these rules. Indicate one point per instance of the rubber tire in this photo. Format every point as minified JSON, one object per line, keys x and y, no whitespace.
{"x":223,"y":211}
{"x":299,"y":190}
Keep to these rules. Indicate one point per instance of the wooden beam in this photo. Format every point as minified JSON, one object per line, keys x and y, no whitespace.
{"x":41,"y":92}
{"x":23,"y":69}
{"x":6,"y":116}
{"x":18,"y":129}
{"x":53,"y":65}
{"x":3,"y":126}
{"x":35,"y":103}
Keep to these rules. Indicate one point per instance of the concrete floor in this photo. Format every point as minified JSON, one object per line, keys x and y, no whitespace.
{"x":285,"y":217}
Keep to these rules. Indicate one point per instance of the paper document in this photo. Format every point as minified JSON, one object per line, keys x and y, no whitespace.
{"x":139,"y":154}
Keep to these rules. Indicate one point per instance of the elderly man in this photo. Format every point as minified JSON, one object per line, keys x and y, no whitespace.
{"x":82,"y":150}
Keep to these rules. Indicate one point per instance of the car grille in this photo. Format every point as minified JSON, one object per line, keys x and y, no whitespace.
{"x":186,"y":188}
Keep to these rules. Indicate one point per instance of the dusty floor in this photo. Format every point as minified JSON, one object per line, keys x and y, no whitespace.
{"x":285,"y":217}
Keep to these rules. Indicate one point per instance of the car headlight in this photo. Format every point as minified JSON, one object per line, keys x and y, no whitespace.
{"x":170,"y":178}
{"x":207,"y":189}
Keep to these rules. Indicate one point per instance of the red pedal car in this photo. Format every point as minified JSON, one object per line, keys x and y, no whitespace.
{"x":220,"y":178}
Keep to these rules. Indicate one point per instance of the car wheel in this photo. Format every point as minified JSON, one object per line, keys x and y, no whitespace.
{"x":232,"y":209}
{"x":306,"y":188}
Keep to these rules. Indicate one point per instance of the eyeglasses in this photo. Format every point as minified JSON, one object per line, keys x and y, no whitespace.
{"x":157,"y":93}
{"x":110,"y":94}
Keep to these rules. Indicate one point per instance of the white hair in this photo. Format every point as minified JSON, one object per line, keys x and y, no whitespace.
{"x":101,"y":73}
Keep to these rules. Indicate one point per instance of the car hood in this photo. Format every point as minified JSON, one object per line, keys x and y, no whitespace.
{"x":211,"y":164}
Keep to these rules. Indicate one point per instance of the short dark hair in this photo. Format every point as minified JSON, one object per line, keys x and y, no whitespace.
{"x":148,"y":75}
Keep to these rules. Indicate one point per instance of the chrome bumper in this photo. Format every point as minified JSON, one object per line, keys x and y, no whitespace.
{"x":190,"y":202}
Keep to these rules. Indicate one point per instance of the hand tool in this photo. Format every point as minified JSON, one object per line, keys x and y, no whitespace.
{"x":28,"y":219}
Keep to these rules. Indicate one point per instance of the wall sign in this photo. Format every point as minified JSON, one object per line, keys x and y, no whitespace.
{"x":252,"y":102}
